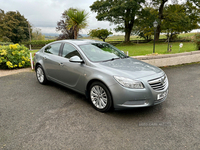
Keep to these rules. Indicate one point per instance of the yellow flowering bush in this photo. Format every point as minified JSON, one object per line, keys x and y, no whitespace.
{"x":14,"y":56}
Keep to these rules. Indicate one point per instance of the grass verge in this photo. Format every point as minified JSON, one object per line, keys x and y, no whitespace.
{"x":147,"y":48}
{"x":160,"y":48}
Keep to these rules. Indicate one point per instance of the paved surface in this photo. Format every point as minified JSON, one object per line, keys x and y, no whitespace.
{"x":33,"y":116}
{"x":13,"y":71}
{"x":171,"y":59}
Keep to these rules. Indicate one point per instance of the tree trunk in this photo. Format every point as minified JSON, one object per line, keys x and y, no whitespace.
{"x":75,"y":32}
{"x":128,"y":29}
{"x":158,"y":30}
{"x":127,"y":36}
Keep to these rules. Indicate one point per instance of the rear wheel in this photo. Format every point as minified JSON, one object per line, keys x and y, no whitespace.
{"x":100,"y":97}
{"x":41,"y":75}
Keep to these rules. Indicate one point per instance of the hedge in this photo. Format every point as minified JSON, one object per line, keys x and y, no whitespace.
{"x":197,"y":40}
{"x":37,"y":44}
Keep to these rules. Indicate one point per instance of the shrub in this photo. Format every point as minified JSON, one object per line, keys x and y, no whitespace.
{"x":37,"y":43}
{"x":5,"y":43}
{"x":197,"y":40}
{"x":14,"y":56}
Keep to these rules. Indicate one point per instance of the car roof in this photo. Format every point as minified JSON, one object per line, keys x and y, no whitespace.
{"x":80,"y":41}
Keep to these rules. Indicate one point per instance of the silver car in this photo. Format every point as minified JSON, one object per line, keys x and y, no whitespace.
{"x":101,"y":72}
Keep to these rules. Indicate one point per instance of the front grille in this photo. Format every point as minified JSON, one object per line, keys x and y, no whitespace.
{"x":159,"y":101}
{"x":159,"y":84}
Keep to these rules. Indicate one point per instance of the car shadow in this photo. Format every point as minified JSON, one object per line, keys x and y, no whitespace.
{"x":131,"y":112}
{"x":67,"y":90}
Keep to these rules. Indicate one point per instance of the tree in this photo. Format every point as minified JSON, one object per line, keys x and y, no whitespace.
{"x":161,"y":5}
{"x":144,"y":23}
{"x":14,"y":26}
{"x":180,"y":18}
{"x":120,"y":12}
{"x":37,"y":35}
{"x":62,"y":26}
{"x":196,"y":2}
{"x":77,"y":20}
{"x":100,"y":33}
{"x":1,"y":21}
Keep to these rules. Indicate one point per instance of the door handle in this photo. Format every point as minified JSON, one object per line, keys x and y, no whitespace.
{"x":61,"y":64}
{"x":45,"y":58}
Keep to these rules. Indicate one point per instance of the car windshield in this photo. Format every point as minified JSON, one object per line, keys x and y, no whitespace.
{"x":97,"y":52}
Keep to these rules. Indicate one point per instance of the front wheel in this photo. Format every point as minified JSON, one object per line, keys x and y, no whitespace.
{"x":100,"y":97}
{"x":41,"y":75}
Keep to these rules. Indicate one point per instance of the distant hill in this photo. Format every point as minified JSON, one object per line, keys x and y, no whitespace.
{"x":50,"y":34}
{"x":57,"y":34}
{"x":84,"y":35}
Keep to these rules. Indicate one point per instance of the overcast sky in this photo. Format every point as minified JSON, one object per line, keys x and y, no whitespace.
{"x":45,"y":14}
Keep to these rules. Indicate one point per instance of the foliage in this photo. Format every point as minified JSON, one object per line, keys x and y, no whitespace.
{"x":120,"y":12}
{"x":160,"y":5}
{"x":5,"y":43}
{"x":62,"y":26}
{"x":77,"y":20}
{"x":37,"y":43}
{"x":196,"y":2}
{"x":172,"y":18}
{"x":197,"y":40}
{"x":14,"y":56}
{"x":178,"y":18}
{"x":13,"y":27}
{"x":37,"y":35}
{"x":144,"y":23}
{"x":100,"y":33}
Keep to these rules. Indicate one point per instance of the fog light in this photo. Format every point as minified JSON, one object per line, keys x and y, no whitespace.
{"x":146,"y":102}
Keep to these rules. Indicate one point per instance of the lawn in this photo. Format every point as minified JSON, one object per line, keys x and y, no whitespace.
{"x":34,"y":51}
{"x":160,"y":48}
{"x":134,"y":37}
{"x":147,"y":48}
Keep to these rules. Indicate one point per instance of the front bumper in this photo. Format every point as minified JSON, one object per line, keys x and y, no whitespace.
{"x":131,"y":98}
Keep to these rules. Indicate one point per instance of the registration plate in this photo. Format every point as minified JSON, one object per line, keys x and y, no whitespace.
{"x":162,"y":95}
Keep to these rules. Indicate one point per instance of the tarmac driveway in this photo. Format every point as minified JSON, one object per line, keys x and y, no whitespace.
{"x":33,"y":116}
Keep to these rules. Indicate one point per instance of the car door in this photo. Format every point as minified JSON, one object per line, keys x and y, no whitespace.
{"x":70,"y":72}
{"x":51,"y":60}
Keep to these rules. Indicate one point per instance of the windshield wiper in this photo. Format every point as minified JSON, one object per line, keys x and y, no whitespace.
{"x":111,"y":59}
{"x":125,"y":57}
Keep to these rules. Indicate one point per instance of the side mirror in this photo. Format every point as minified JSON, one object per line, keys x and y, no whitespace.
{"x":76,"y":59}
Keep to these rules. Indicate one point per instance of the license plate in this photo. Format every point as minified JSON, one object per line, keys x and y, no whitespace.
{"x":162,"y":95}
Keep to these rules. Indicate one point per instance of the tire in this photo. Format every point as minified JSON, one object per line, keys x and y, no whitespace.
{"x":40,"y":74}
{"x":100,"y":97}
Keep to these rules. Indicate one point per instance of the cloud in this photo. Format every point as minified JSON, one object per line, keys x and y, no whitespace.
{"x":45,"y":14}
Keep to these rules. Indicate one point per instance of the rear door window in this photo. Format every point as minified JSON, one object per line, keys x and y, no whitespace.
{"x":53,"y":49}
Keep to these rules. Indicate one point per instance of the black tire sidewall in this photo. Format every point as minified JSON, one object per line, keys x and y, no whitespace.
{"x":109,"y":97}
{"x":45,"y":79}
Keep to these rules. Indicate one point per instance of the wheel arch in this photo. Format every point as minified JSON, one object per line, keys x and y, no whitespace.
{"x":36,"y":65}
{"x":90,"y":83}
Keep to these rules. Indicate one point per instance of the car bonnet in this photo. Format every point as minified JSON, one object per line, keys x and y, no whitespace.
{"x":129,"y":67}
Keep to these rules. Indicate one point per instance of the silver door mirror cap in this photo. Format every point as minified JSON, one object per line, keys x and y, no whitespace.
{"x":76,"y":59}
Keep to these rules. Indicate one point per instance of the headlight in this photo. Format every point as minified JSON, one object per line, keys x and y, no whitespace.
{"x":129,"y":83}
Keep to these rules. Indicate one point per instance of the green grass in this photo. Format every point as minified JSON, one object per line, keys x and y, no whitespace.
{"x":160,"y":48}
{"x":34,"y":51}
{"x":116,"y":38}
{"x":187,"y":36}
{"x":147,"y":48}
